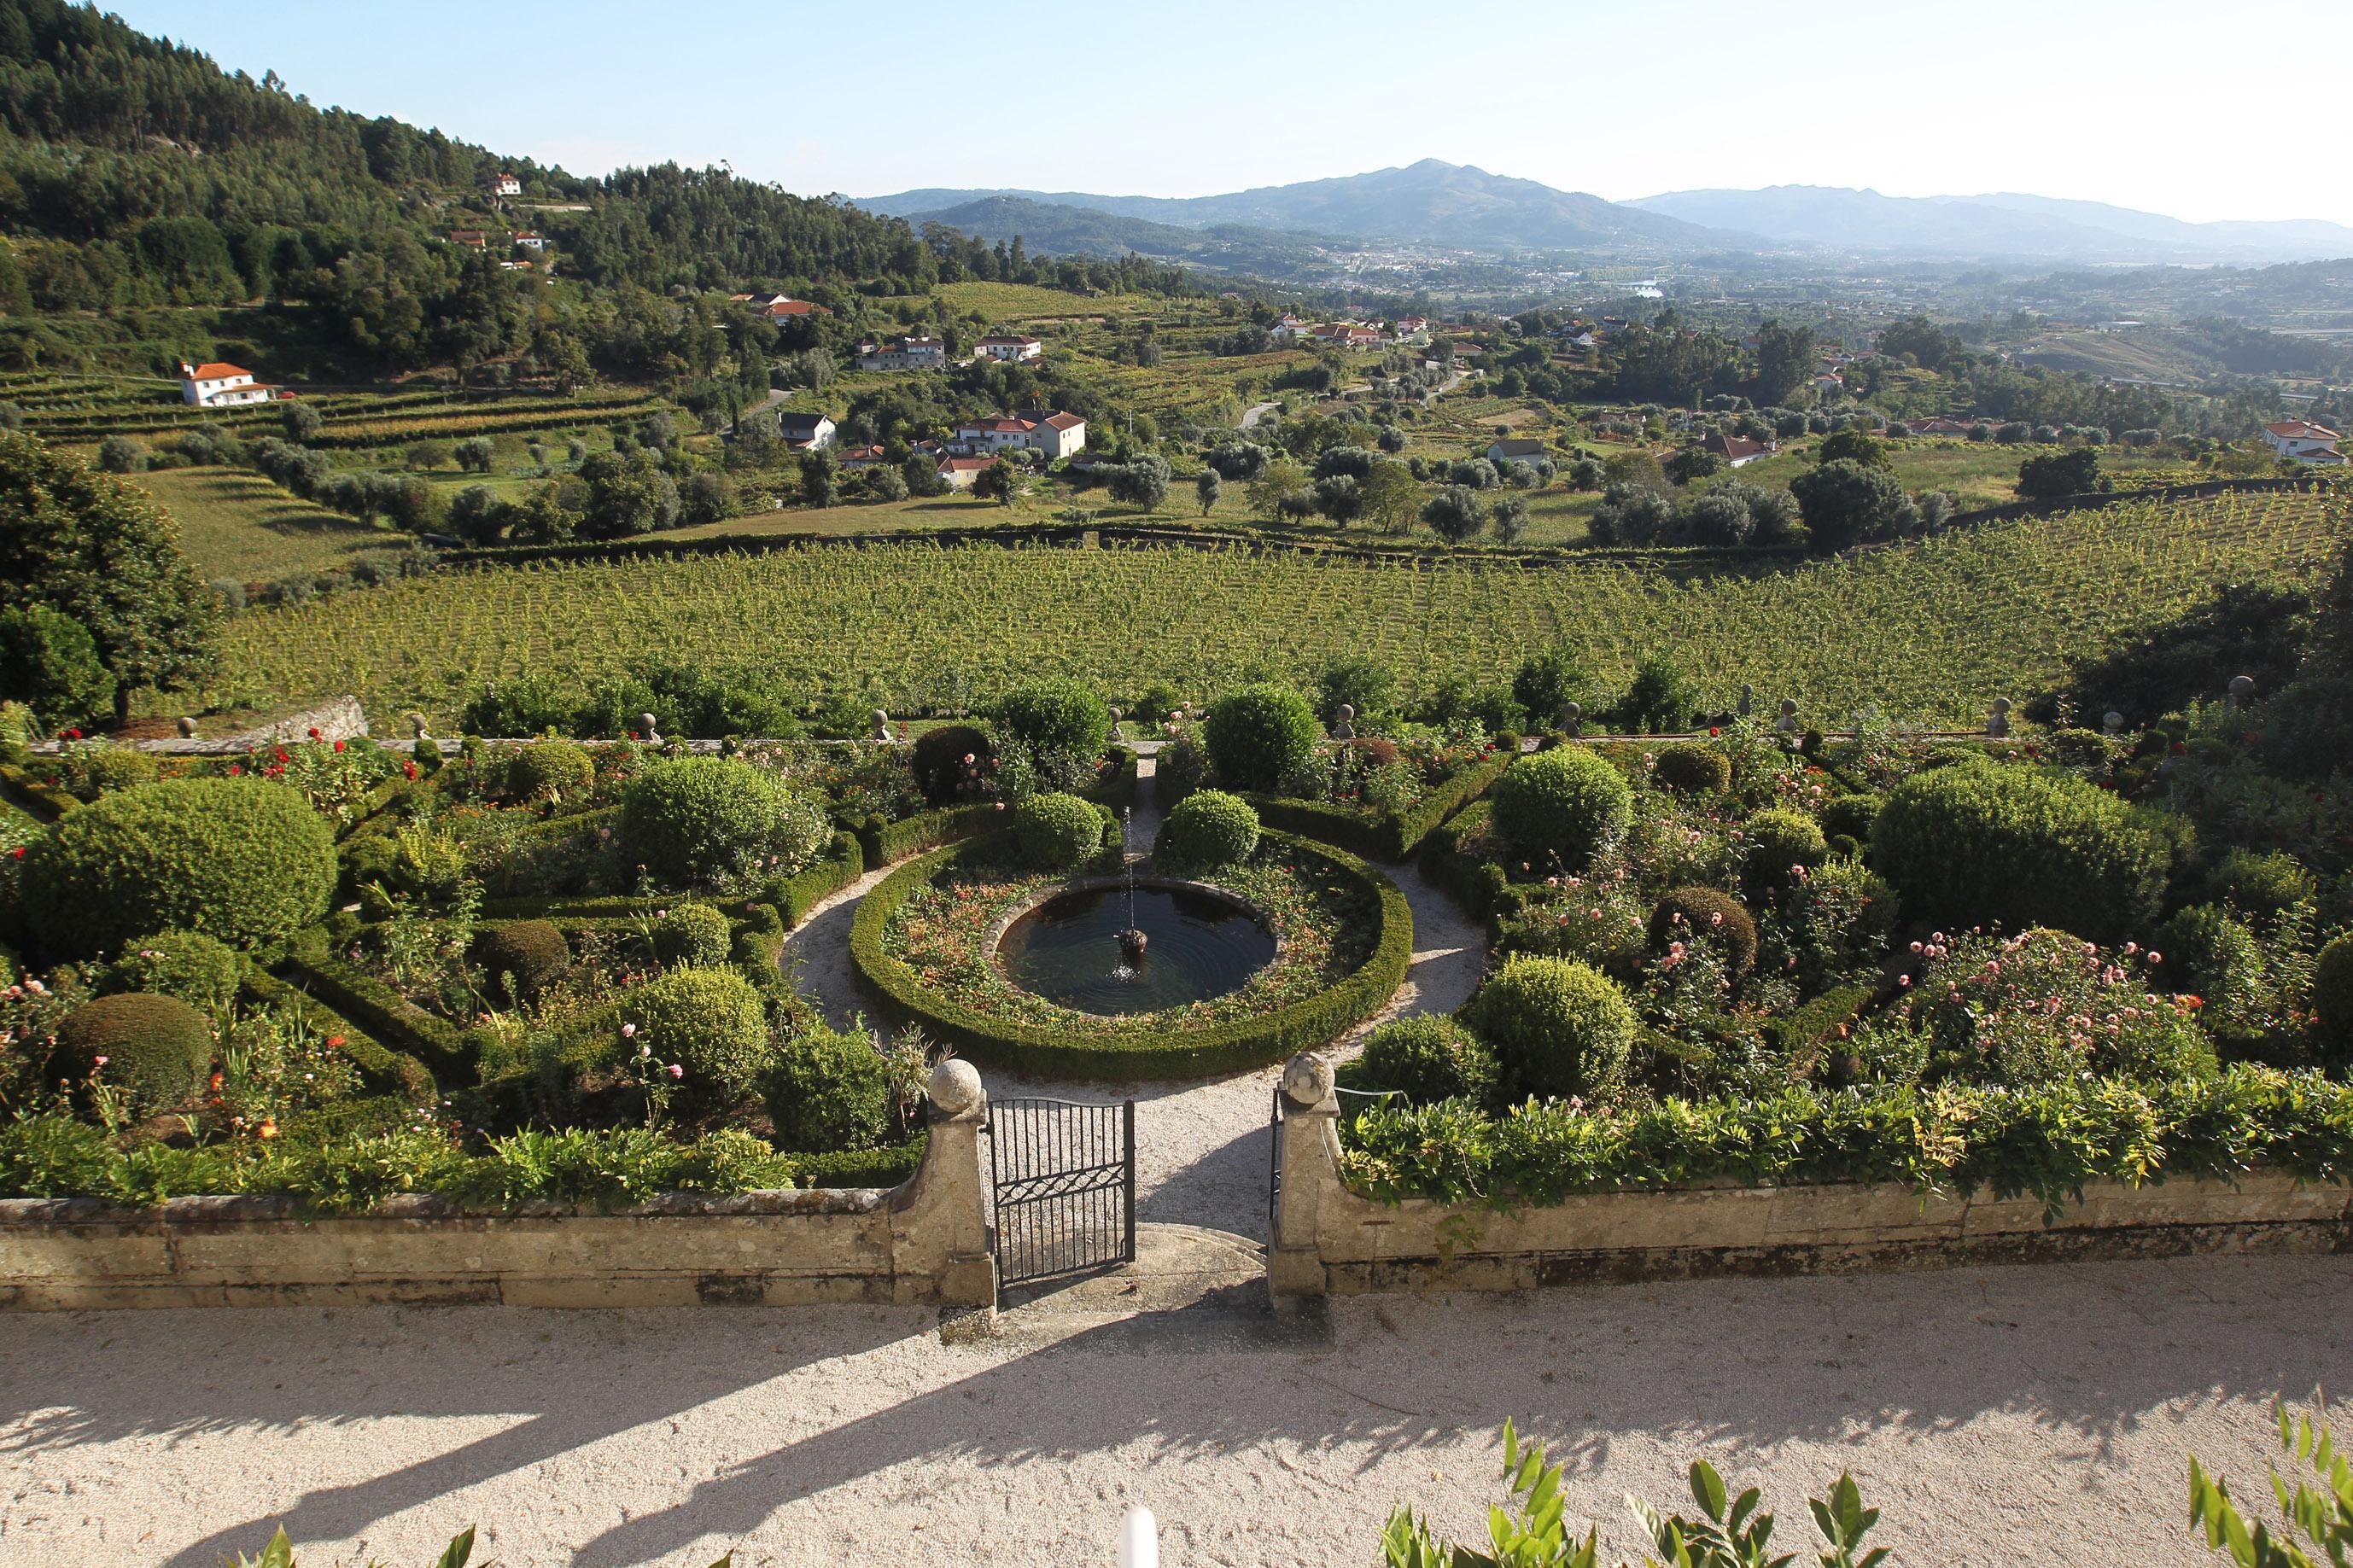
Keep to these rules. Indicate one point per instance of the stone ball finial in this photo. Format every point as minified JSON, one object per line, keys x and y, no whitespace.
{"x":417,"y":729}
{"x":956,"y":1087}
{"x":1307,"y":1079}
{"x":187,"y":728}
{"x":645,"y":728}
{"x":881,"y":725}
{"x":2243,"y":691}
{"x":2113,"y":722}
{"x":1344,"y":727}
{"x":2001,"y":704}
{"x":1789,"y":707}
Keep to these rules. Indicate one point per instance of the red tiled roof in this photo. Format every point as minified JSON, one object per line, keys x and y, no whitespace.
{"x":963,"y":465}
{"x":995,"y":425}
{"x":1006,"y":342}
{"x":2301,"y":430}
{"x":216,"y":371}
{"x":1061,"y":421}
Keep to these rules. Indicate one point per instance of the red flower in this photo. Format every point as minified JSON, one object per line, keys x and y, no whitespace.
{"x":314,"y":732}
{"x":17,"y":853}
{"x":72,"y":733}
{"x":235,"y":769}
{"x":339,"y":745}
{"x":409,"y":769}
{"x":1713,"y":730}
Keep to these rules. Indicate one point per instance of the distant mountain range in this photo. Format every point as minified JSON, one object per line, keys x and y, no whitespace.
{"x":2006,"y":224}
{"x":1434,"y":203}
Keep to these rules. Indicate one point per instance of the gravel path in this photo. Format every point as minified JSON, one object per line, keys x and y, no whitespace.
{"x":2001,"y":1416}
{"x":1202,"y":1144}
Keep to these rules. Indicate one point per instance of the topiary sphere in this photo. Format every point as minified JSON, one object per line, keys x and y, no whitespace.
{"x":1978,"y":844}
{"x":2260,"y":886}
{"x":828,"y":1091}
{"x":550,"y":769}
{"x":695,"y":934}
{"x":188,"y":965}
{"x":1260,"y":735}
{"x":521,"y":959}
{"x":709,"y":1022}
{"x":1428,"y":1059}
{"x":1850,"y":817}
{"x":939,"y":759}
{"x":699,"y":821}
{"x":1688,"y":767}
{"x":2332,"y":1001}
{"x":241,"y":859}
{"x":1564,"y":805}
{"x":1708,"y":915}
{"x":1055,"y":716}
{"x":1781,"y":840}
{"x":2212,"y":953}
{"x":1056,"y":832}
{"x":1558,"y":1027}
{"x":1209,"y":827}
{"x":155,"y":1049}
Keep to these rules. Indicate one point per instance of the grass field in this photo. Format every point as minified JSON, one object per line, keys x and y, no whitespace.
{"x":239,"y":525}
{"x":1028,"y":302}
{"x":1927,"y":632}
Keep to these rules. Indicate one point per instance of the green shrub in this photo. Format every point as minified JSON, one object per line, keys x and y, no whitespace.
{"x":550,"y":769}
{"x":49,"y":662}
{"x":1986,"y":844}
{"x":1059,"y":717}
{"x":187,"y":964}
{"x":240,"y":859}
{"x":942,"y":771}
{"x":157,"y":1050}
{"x":695,"y":934}
{"x":1260,"y":735}
{"x":1209,"y":827}
{"x":1056,"y":832}
{"x":95,"y":770}
{"x":710,"y":1022}
{"x":1690,"y":767}
{"x":1850,"y":817}
{"x":2212,"y":953}
{"x":1429,"y":1058}
{"x":1838,"y":920}
{"x":1708,"y":915}
{"x":708,"y":821}
{"x":521,"y":959}
{"x":1564,"y":805}
{"x":1558,"y":1027}
{"x":1780,"y":841}
{"x":2260,"y":886}
{"x":2332,"y":1000}
{"x":828,"y":1091}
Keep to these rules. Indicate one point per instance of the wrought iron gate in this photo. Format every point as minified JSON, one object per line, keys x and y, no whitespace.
{"x":1064,"y":1177}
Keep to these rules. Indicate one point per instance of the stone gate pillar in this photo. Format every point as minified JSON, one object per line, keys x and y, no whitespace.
{"x":1311,"y":1111}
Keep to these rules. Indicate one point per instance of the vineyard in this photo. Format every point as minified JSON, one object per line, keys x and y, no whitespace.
{"x":73,"y":408}
{"x":1927,"y":632}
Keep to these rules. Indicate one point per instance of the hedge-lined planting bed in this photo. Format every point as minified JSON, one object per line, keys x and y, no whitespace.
{"x":887,"y":843}
{"x":844,"y":863}
{"x":1376,"y":835}
{"x":1061,"y":1051}
{"x":2044,"y":1142}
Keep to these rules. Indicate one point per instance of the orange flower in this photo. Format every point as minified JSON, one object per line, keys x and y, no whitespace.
{"x":268,"y":1128}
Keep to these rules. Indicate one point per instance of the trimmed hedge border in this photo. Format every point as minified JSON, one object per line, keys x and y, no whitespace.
{"x":1388,"y":835}
{"x":1053,"y":1052}
{"x":886,"y":842}
{"x":382,"y":1070}
{"x":843,"y":863}
{"x":38,"y":798}
{"x":380,"y":1011}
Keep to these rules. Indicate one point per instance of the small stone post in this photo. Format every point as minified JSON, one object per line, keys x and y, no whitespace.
{"x":1345,"y":730}
{"x":646,"y":725}
{"x":1998,"y":719}
{"x":2243,"y":691}
{"x":416,"y":730}
{"x":1310,"y":1112}
{"x":881,"y":725}
{"x":187,"y":728}
{"x":2112,"y":722}
{"x":939,"y":1216}
{"x":1572,"y":719}
{"x":1747,"y":696}
{"x":1786,"y":724}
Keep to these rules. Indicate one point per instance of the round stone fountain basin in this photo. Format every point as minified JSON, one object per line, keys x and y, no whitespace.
{"x":1200,"y":944}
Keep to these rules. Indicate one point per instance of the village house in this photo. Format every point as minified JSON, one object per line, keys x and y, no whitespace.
{"x":1826,"y":383}
{"x":1347,"y":335}
{"x":216,"y":386}
{"x":1056,"y":435}
{"x":1006,"y":351}
{"x":859,"y":456}
{"x":479,"y":238}
{"x":807,"y":432}
{"x":529,"y":240}
{"x":960,"y":472}
{"x":1286,"y":329}
{"x":2302,"y":441}
{"x":993,"y":432}
{"x":1517,"y":449}
{"x":506,"y":185}
{"x":1047,"y":432}
{"x":907,"y":353}
{"x":1739,"y":451}
{"x":783,"y":307}
{"x":1413,"y":330}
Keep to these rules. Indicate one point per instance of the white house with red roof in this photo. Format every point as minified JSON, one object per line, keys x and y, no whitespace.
{"x":783,"y":307}
{"x":214,"y":385}
{"x":506,"y":185}
{"x":2302,"y":441}
{"x":529,"y":240}
{"x":990,"y":434}
{"x":805,"y":432}
{"x":960,"y":472}
{"x":1058,"y":435}
{"x":907,"y":353}
{"x":1007,"y":350}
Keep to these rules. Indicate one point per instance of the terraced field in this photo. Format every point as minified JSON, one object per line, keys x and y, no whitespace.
{"x":1927,"y":632}
{"x":239,"y":526}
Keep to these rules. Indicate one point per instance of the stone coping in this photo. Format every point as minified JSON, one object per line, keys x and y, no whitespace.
{"x":247,"y":1208}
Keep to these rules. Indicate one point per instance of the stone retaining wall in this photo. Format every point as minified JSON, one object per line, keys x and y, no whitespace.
{"x":1330,"y":1240}
{"x":922,"y":1243}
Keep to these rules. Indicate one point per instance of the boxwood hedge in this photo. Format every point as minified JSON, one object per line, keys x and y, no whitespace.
{"x":1072,"y":1052}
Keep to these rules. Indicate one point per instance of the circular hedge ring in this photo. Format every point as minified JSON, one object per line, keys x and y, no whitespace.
{"x":1074,"y":1049}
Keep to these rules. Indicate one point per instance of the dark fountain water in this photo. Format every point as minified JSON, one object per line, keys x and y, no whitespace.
{"x":1082,"y":949}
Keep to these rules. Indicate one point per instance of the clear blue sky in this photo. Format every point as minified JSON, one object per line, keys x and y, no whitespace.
{"x":2175,"y":106}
